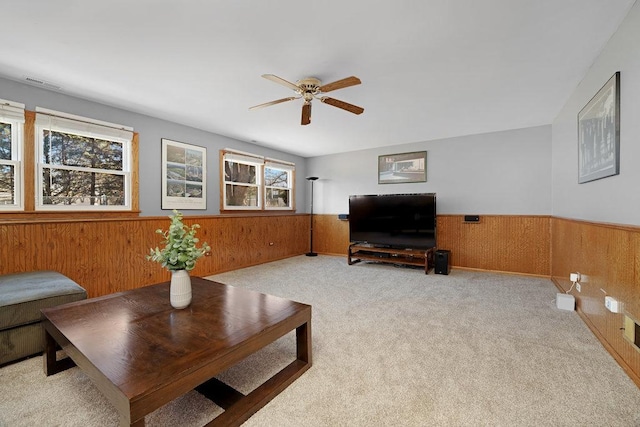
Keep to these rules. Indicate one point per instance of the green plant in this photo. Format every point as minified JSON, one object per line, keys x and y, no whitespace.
{"x":180,"y":251}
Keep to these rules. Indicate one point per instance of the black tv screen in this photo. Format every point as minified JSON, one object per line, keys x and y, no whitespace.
{"x":400,"y":221}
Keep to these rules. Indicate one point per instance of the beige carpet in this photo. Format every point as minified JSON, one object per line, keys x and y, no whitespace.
{"x":392,"y":347}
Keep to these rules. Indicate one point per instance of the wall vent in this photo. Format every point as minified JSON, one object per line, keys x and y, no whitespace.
{"x":40,"y":82}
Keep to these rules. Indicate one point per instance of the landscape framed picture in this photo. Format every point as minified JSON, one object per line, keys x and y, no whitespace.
{"x":402,"y":168}
{"x":184,"y":176}
{"x":599,"y":134}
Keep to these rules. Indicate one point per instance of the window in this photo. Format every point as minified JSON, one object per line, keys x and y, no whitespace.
{"x":251,"y":182}
{"x":82,"y":164}
{"x":11,"y":145}
{"x":242,"y":182}
{"x":278,"y":185}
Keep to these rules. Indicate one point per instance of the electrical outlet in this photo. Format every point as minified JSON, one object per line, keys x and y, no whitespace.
{"x":612,"y":304}
{"x":578,"y":287}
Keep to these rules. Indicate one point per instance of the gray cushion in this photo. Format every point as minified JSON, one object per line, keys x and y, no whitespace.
{"x":22,"y":295}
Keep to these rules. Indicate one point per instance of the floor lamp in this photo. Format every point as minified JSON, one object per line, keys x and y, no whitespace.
{"x":311,"y":253}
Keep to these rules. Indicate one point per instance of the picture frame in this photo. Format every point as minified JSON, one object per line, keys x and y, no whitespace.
{"x":599,"y":134}
{"x":402,"y":168}
{"x":184,"y":175}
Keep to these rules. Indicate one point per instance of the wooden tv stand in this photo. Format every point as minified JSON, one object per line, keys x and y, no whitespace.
{"x":416,"y":257}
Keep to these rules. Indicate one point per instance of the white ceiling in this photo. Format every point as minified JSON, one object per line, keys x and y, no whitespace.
{"x":430,"y":69}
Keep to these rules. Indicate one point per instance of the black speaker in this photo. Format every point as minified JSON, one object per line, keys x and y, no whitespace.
{"x":442,"y":261}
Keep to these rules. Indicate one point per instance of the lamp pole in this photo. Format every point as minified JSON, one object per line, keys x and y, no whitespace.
{"x":311,"y":253}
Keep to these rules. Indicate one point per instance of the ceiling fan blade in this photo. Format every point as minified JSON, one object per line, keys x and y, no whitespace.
{"x":346,"y":82}
{"x":341,"y":104}
{"x":266,"y":104}
{"x":306,"y":113}
{"x":281,"y":81}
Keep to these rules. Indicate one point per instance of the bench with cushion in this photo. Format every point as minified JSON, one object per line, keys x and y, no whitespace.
{"x":22,"y":295}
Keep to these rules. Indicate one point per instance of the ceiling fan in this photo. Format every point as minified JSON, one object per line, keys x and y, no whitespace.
{"x":310,"y":88}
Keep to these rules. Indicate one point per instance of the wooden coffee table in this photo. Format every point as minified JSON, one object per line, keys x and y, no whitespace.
{"x":141,"y":353}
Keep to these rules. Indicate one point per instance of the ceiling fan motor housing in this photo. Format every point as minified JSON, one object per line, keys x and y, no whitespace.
{"x":310,"y":84}
{"x":309,"y":87}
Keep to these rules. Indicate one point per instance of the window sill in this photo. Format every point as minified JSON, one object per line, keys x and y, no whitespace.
{"x":249,"y":212}
{"x":42,"y":216}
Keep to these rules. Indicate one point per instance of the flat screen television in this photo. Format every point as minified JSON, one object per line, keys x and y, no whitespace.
{"x":399,"y":221}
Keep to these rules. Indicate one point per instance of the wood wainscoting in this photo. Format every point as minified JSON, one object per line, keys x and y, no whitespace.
{"x":106,"y":256}
{"x":330,"y":235}
{"x":507,"y":243}
{"x":607,"y":256}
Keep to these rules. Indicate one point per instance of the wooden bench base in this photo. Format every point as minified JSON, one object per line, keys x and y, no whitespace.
{"x":419,"y":258}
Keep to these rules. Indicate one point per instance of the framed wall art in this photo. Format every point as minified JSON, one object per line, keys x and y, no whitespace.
{"x":402,"y":168}
{"x":599,"y":134}
{"x":184,"y":176}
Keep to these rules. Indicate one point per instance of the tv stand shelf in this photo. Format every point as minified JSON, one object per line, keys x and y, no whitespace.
{"x":416,"y":257}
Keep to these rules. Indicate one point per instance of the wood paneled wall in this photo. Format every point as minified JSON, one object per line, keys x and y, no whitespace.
{"x":106,"y":256}
{"x":607,"y":256}
{"x":510,"y":243}
{"x":330,"y":235}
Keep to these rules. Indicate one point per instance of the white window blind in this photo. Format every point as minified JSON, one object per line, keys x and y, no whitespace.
{"x":11,"y":111}
{"x":83,"y":126}
{"x":11,"y":162}
{"x":243,"y":158}
{"x":280,"y":164}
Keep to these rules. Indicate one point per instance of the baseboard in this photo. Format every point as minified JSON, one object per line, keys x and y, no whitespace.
{"x":253,"y":264}
{"x":333,"y":254}
{"x":513,"y":273}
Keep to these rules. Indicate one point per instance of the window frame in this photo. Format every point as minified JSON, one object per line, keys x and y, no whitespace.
{"x":287,"y":167}
{"x":260,"y":163}
{"x":12,"y":113}
{"x":245,"y":159}
{"x":48,"y":120}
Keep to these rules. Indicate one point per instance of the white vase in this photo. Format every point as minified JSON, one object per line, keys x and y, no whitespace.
{"x":180,"y":293}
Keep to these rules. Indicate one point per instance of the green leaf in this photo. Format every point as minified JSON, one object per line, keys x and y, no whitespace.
{"x":180,"y":245}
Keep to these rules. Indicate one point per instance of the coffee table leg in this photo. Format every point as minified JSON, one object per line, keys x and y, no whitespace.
{"x":242,"y":408}
{"x":50,"y":364}
{"x":49,"y":355}
{"x":303,"y":342}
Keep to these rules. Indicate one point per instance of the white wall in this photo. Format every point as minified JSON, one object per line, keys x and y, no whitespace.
{"x":151,"y":131}
{"x":614,"y":199}
{"x":495,"y":173}
{"x":525,"y":171}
